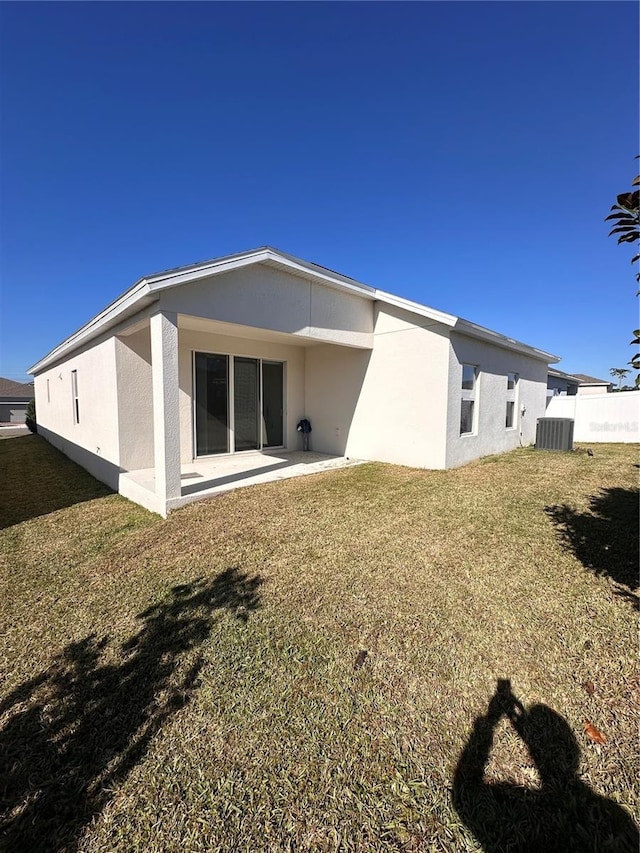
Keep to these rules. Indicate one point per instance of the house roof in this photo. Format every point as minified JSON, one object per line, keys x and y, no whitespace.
{"x":146,"y":290}
{"x":9,"y":388}
{"x":591,"y":380}
{"x":561,"y":375}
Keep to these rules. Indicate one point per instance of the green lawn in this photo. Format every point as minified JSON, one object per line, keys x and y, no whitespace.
{"x":201,"y":683}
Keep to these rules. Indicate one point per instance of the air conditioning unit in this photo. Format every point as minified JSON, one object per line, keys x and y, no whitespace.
{"x":554,"y":434}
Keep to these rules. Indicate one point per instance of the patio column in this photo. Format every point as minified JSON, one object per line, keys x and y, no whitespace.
{"x":166,"y":418}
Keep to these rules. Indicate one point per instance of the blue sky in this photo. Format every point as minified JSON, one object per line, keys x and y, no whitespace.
{"x":460,"y":154}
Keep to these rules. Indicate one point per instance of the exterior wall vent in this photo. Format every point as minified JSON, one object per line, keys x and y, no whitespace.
{"x":554,"y":434}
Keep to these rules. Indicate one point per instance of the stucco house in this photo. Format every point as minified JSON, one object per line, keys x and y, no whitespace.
{"x":570,"y":384}
{"x":560,"y":383}
{"x":14,"y":399}
{"x":225,"y":357}
{"x":592,"y":385}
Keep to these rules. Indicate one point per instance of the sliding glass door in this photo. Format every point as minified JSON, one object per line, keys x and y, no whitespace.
{"x":245,"y":403}
{"x":272,"y":403}
{"x":212,"y":406}
{"x":239,"y":403}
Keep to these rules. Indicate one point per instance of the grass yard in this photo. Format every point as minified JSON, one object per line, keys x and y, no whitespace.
{"x":371,"y":659}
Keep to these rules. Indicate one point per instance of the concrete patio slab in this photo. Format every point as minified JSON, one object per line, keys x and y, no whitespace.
{"x":204,"y":478}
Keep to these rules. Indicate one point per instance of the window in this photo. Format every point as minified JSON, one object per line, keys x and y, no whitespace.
{"x":48,"y":392}
{"x":512,"y":395}
{"x":74,"y":394}
{"x":468,"y":377}
{"x":468,"y":393}
{"x":510,"y":408}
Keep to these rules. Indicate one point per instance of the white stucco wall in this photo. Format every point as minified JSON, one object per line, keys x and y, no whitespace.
{"x":292,"y":356}
{"x":592,"y":390}
{"x":490,"y":434}
{"x":267,"y":298}
{"x":94,"y":441}
{"x":135,"y":400}
{"x":604,"y":417}
{"x":398,"y":415}
{"x":333,"y":381}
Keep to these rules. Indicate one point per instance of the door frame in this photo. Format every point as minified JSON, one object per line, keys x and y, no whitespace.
{"x":231,"y":404}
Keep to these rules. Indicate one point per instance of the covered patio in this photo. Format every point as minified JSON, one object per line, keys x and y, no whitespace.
{"x":203,"y":478}
{"x":205,"y":405}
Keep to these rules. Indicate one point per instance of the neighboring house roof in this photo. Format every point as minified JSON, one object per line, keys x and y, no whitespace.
{"x":14,"y":390}
{"x":568,"y":377}
{"x":553,"y":371}
{"x":591,"y":380}
{"x":146,"y":291}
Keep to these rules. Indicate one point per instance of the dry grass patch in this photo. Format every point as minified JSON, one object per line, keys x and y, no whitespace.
{"x":191,"y":684}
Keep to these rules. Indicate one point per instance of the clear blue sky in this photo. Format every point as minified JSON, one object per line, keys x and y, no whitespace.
{"x":461,"y":154}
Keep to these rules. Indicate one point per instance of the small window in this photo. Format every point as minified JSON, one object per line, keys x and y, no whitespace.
{"x":468,"y":377}
{"x":48,"y":392}
{"x":466,"y":417}
{"x":74,"y":393}
{"x":512,"y":399}
{"x":468,"y":395}
{"x":510,"y":408}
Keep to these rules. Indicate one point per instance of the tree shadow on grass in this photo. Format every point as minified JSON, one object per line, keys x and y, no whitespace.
{"x":72,"y":734}
{"x":563,"y":815}
{"x":605,"y":538}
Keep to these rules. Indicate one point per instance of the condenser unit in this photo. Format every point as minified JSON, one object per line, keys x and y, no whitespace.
{"x":554,"y":434}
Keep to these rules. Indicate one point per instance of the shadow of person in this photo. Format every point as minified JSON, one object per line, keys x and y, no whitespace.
{"x":563,"y":815}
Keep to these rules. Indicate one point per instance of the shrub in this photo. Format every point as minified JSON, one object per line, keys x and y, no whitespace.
{"x":30,"y":420}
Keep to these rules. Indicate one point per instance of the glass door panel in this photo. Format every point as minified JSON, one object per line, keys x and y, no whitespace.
{"x":212,"y":408}
{"x":272,"y":403}
{"x":245,"y":403}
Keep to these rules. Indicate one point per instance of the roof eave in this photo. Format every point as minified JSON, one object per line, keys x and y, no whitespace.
{"x":146,"y":290}
{"x":132,"y":301}
{"x":267,"y":255}
{"x":465,"y":327}
{"x":416,"y":308}
{"x":152,"y":285}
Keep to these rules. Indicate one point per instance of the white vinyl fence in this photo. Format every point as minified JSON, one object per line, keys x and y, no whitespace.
{"x":600,"y":417}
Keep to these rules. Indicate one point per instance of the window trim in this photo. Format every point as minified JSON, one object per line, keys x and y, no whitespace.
{"x":469,"y":395}
{"x":512,"y":396}
{"x":231,"y":356}
{"x":75,"y":397}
